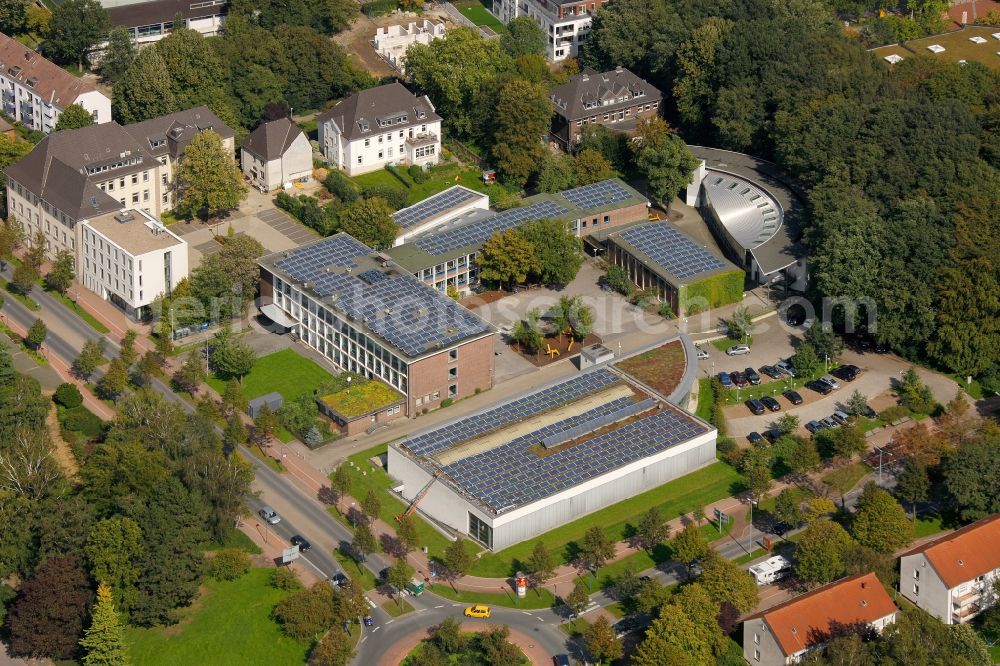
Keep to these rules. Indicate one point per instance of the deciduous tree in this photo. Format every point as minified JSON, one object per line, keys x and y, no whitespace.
{"x":232,"y":357}
{"x":507,"y":257}
{"x":857,"y":404}
{"x":689,"y":545}
{"x":114,"y":549}
{"x":652,"y":530}
{"x":663,"y":158}
{"x":334,"y":649}
{"x":595,"y":548}
{"x":555,"y":173}
{"x":144,"y":91}
{"x":558,"y":251}
{"x":971,"y":474}
{"x":805,"y":361}
{"x":46,"y":621}
{"x":400,"y":574}
{"x":788,"y":508}
{"x":115,"y":380}
{"x":524,"y":36}
{"x":725,"y":581}
{"x":371,"y":505}
{"x":540,"y":565}
{"x":75,"y":28}
{"x":821,"y":551}
{"x":457,"y":560}
{"x":208,"y":180}
{"x":522,"y":118}
{"x":370,"y":221}
{"x":912,"y":483}
{"x":601,"y":641}
{"x":36,"y":334}
{"x":74,"y":116}
{"x":118,"y":56}
{"x":191,"y":374}
{"x":590,"y":166}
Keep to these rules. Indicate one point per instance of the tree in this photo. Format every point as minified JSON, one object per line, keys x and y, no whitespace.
{"x":826,"y":343}
{"x":857,"y":404}
{"x":507,"y":256}
{"x":689,"y":545}
{"x":805,"y":361}
{"x":334,"y":649}
{"x":306,"y":614}
{"x":148,"y":366}
{"x":758,"y":479}
{"x":61,"y":275}
{"x":114,"y":549}
{"x":24,"y":278}
{"x":235,"y":434}
{"x":196,"y":71}
{"x":144,"y":91}
{"x":673,"y":639}
{"x":118,"y":56}
{"x":528,"y":332}
{"x":555,"y":173}
{"x":75,"y":28}
{"x":600,"y":639}
{"x":970,"y":474}
{"x":652,"y":530}
{"x":849,"y":441}
{"x":234,"y":401}
{"x":232,"y":357}
{"x":880,"y":522}
{"x":457,"y":560}
{"x":821,"y":551}
{"x":208,"y":181}
{"x":191,"y":374}
{"x":663,"y":158}
{"x":37,"y":250}
{"x":7,"y":372}
{"x":400,"y":575}
{"x":36,"y":334}
{"x":91,"y":356}
{"x":13,"y":16}
{"x":523,"y":113}
{"x":74,"y":116}
{"x":370,"y":221}
{"x":230,"y":275}
{"x":579,"y":598}
{"x":914,"y":394}
{"x":558,"y":251}
{"x":725,"y":581}
{"x":115,"y":380}
{"x":787,"y":508}
{"x":618,"y":280}
{"x":11,"y":231}
{"x":371,"y":505}
{"x":340,"y":481}
{"x":817,"y":507}
{"x":912,"y":483}
{"x":127,"y":352}
{"x":104,"y":640}
{"x":265,"y":425}
{"x":595,"y":548}
{"x":788,"y":423}
{"x":590,"y":166}
{"x":406,"y":531}
{"x":540,"y":565}
{"x":523,"y":37}
{"x":364,"y":542}
{"x":47,"y":618}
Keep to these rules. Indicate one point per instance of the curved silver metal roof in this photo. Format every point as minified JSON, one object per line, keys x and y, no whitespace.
{"x":748,"y":212}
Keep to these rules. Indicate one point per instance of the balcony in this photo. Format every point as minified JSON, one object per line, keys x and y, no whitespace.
{"x":422,"y":139}
{"x":966,"y":598}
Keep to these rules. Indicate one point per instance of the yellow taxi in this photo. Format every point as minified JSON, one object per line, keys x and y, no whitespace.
{"x":478,"y":611}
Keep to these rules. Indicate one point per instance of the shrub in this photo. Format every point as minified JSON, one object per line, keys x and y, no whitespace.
{"x":417,"y":174}
{"x":396,"y":197}
{"x":285,"y":578}
{"x":666,"y":312}
{"x":894,"y":413}
{"x":306,"y":614}
{"x":447,"y":402}
{"x":398,"y":174}
{"x":68,"y":395}
{"x":378,"y":7}
{"x":341,"y":186}
{"x":229,"y":564}
{"x":288,"y":203}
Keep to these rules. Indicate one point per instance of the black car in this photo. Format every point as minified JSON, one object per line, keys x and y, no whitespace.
{"x":755,"y":406}
{"x":339,"y":579}
{"x":819,"y":387}
{"x":299,"y":541}
{"x":771,"y":371}
{"x":814,"y":426}
{"x":384,"y":574}
{"x":793,"y":397}
{"x":755,"y":437}
{"x":625,"y":625}
{"x":752,"y":376}
{"x":772,"y":435}
{"x":880,"y":348}
{"x":846,"y":372}
{"x":869,"y":413}
{"x":771,"y":403}
{"x":560,"y":660}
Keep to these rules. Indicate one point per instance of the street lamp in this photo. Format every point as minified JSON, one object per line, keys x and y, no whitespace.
{"x":882,"y":452}
{"x":750,"y":545}
{"x":826,"y":362}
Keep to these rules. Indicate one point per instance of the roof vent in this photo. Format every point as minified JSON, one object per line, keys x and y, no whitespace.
{"x":961,"y":563}
{"x":585,"y":78}
{"x":864,"y":602}
{"x":124,"y":217}
{"x":794,"y":630}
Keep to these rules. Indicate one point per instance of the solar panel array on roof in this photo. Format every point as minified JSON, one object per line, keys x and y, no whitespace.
{"x":513,"y":475}
{"x":305,"y":262}
{"x":478,"y":232}
{"x":372,"y":275}
{"x":433,"y":206}
{"x":597,"y":195}
{"x":675,"y":252}
{"x":511,"y":412}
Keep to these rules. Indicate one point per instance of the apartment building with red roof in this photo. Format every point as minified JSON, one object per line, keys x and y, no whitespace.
{"x":783,"y":634}
{"x":953,"y":578}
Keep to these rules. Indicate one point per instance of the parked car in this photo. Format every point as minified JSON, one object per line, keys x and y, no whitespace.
{"x":793,"y":397}
{"x":771,"y":371}
{"x":725,"y":380}
{"x":869,"y":413}
{"x":819,"y":387}
{"x":561,"y":660}
{"x":814,"y":426}
{"x":840,"y":417}
{"x":479,"y":611}
{"x":700,"y":353}
{"x":785,"y":367}
{"x":269,"y":515}
{"x":752,"y":376}
{"x":830,"y":381}
{"x":339,"y":579}
{"x":739,"y":379}
{"x":771,"y":403}
{"x":772,"y":435}
{"x":738,"y":350}
{"x":755,"y":406}
{"x":368,"y":621}
{"x":625,"y":625}
{"x":299,"y":541}
{"x":755,"y":437}
{"x":384,"y":574}
{"x":880,"y":348}
{"x":847,"y":372}
{"x":795,"y":316}
{"x":829,"y":422}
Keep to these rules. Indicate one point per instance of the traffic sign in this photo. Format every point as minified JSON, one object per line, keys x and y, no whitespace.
{"x":289,"y":554}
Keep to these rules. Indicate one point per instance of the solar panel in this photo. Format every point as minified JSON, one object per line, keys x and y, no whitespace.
{"x":479,"y":231}
{"x":372,"y":275}
{"x":676,"y":253}
{"x":597,"y":195}
{"x":339,"y":251}
{"x":433,"y":206}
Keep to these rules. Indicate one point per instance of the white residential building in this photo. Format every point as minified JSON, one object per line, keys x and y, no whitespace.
{"x":129,"y":258}
{"x":380,"y":126}
{"x":954,"y":578}
{"x":149,"y":22}
{"x":566,"y":24}
{"x":35,"y":91}
{"x":275,"y":154}
{"x":391,"y":42}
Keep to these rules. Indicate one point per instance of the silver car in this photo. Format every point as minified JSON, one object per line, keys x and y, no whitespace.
{"x":738,"y":350}
{"x":830,"y":381}
{"x":269,"y":515}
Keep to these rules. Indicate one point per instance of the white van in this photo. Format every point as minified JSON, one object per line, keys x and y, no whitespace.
{"x":771,"y":570}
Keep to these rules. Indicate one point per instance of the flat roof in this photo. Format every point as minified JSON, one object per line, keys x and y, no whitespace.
{"x":134,"y":231}
{"x":669,"y":253}
{"x":436,"y":205}
{"x":551,"y":439}
{"x":958,"y":46}
{"x":445,"y":243}
{"x":367,"y":288}
{"x":360,"y":398}
{"x":782,"y":248}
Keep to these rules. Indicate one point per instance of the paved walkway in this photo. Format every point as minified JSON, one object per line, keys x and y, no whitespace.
{"x":396,"y":652}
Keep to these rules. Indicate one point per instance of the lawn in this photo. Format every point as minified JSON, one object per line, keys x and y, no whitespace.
{"x":660,"y":369}
{"x":845,"y":478}
{"x":536,"y":598}
{"x":397,"y":607}
{"x":359,"y":573}
{"x":706,"y":399}
{"x":441,"y":178}
{"x":230,"y":623}
{"x":927,"y":525}
{"x":680,"y":496}
{"x":476,"y":12}
{"x":21,"y":298}
{"x":286,"y":372}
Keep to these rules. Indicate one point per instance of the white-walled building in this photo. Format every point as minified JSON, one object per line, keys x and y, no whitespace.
{"x":391,"y":42}
{"x":275,"y":154}
{"x":566,"y":24}
{"x":149,"y":22}
{"x":380,"y":126}
{"x":438,"y":209}
{"x":785,"y":633}
{"x":953,"y":578}
{"x":129,"y":258}
{"x":35,"y":91}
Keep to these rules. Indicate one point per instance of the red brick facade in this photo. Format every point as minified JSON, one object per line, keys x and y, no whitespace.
{"x":430,"y":378}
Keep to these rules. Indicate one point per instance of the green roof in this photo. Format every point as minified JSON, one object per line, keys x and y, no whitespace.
{"x":359,"y":399}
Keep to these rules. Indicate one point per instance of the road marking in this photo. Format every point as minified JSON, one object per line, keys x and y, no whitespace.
{"x":376,"y":629}
{"x":441,"y":606}
{"x":454,"y":605}
{"x":389,"y":621}
{"x":421,"y":610}
{"x":370,"y":602}
{"x":526,"y":612}
{"x":364,"y":638}
{"x":539,"y":619}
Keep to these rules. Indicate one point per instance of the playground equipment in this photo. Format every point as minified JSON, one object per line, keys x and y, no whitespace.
{"x":552,"y":353}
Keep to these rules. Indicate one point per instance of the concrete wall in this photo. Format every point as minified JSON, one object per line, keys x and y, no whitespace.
{"x":932,"y":595}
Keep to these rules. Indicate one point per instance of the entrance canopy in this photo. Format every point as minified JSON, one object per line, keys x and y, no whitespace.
{"x":275,"y":314}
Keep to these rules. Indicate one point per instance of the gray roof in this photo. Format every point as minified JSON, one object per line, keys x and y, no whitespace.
{"x":176,"y":130}
{"x":590,"y":91}
{"x":161,"y":11}
{"x":391,"y":103}
{"x":272,"y":138}
{"x":665,"y":250}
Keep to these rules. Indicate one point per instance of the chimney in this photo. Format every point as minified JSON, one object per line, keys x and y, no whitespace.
{"x":618,"y":69}
{"x":585,"y":78}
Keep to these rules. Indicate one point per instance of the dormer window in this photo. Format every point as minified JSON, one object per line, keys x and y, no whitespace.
{"x":31,"y":82}
{"x":363,"y":124}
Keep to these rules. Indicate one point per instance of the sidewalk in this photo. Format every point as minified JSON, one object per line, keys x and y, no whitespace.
{"x":395,"y":653}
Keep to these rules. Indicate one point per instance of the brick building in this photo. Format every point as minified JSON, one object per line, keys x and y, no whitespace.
{"x":615,"y":99}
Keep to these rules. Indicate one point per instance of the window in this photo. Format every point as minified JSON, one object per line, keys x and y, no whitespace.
{"x":145,"y":176}
{"x":359,"y":159}
{"x":756,"y":638}
{"x":756,"y":655}
{"x":381,"y":154}
{"x":916,"y":574}
{"x":453,"y":355}
{"x":163,"y":179}
{"x":135,"y":179}
{"x":480,"y":531}
{"x":368,"y":142}
{"x":121,"y":182}
{"x":164,"y":199}
{"x":135,"y":197}
{"x":145,"y":195}
{"x":453,"y":390}
{"x":916,"y":590}
{"x":111,"y":186}
{"x":452,"y":373}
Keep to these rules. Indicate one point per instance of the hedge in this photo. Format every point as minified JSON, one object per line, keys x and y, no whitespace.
{"x":716,"y":290}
